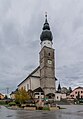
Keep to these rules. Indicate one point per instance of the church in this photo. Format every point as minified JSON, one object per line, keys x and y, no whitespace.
{"x":42,"y":80}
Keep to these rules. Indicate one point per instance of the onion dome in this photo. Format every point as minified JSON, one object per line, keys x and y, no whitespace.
{"x":46,"y":33}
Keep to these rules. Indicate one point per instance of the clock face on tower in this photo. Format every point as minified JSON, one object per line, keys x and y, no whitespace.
{"x":49,"y":61}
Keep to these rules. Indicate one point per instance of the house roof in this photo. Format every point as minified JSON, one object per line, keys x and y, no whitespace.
{"x":78,"y":88}
{"x":30,"y":75}
{"x":39,"y":89}
{"x":58,"y":91}
{"x":14,"y":92}
{"x":1,"y":94}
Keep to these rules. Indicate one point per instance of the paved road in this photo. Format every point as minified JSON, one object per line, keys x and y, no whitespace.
{"x":71,"y":112}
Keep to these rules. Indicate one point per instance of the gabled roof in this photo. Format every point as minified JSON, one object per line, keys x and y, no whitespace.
{"x":39,"y":89}
{"x":78,"y":88}
{"x":14,"y":92}
{"x":30,"y":75}
{"x":1,"y":94}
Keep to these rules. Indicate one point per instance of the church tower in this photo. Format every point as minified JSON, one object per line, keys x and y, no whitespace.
{"x":47,"y":61}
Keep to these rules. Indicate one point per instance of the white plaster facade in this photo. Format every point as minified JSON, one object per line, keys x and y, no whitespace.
{"x":46,"y":43}
{"x":43,"y":76}
{"x":32,"y":81}
{"x":39,"y":95}
{"x":59,"y":96}
{"x":35,"y":83}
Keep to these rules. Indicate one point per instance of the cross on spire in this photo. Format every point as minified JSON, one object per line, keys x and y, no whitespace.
{"x":46,"y":17}
{"x":46,"y":14}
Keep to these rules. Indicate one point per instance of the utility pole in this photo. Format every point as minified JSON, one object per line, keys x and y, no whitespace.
{"x":7,"y":92}
{"x":7,"y":89}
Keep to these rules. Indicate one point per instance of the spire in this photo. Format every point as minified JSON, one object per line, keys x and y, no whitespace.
{"x":46,"y":33}
{"x":46,"y":24}
{"x":46,"y":17}
{"x":59,"y":87}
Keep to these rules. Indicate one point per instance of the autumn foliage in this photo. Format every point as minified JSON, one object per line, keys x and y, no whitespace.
{"x":21,"y":96}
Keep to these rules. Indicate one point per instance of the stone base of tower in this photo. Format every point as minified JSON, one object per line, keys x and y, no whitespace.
{"x":49,"y":93}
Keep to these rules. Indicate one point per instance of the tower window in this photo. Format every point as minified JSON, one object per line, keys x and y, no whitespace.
{"x":49,"y":54}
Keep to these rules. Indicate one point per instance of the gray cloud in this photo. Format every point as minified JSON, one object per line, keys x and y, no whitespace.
{"x":71,"y":75}
{"x":20,"y":27}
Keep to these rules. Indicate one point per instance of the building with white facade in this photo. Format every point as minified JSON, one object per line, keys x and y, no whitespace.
{"x":44,"y":75}
{"x":59,"y":95}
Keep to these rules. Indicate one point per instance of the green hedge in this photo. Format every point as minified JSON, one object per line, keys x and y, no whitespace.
{"x":2,"y":103}
{"x":12,"y":104}
{"x":46,"y":108}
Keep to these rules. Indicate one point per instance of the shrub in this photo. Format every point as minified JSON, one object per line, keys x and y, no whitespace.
{"x":12,"y":104}
{"x":2,"y":103}
{"x":46,"y":108}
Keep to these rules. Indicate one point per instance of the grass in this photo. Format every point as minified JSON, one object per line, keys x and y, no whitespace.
{"x":46,"y":108}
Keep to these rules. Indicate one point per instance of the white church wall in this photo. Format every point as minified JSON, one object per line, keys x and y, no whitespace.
{"x":35,"y":83}
{"x":26,"y":84}
{"x":37,"y":73}
{"x":31,"y":82}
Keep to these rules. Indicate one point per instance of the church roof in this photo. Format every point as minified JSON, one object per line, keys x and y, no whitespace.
{"x":31,"y":75}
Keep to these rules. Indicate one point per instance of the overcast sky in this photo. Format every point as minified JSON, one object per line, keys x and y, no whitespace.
{"x":21,"y":23}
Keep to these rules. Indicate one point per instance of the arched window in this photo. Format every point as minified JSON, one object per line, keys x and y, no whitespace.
{"x":49,"y":54}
